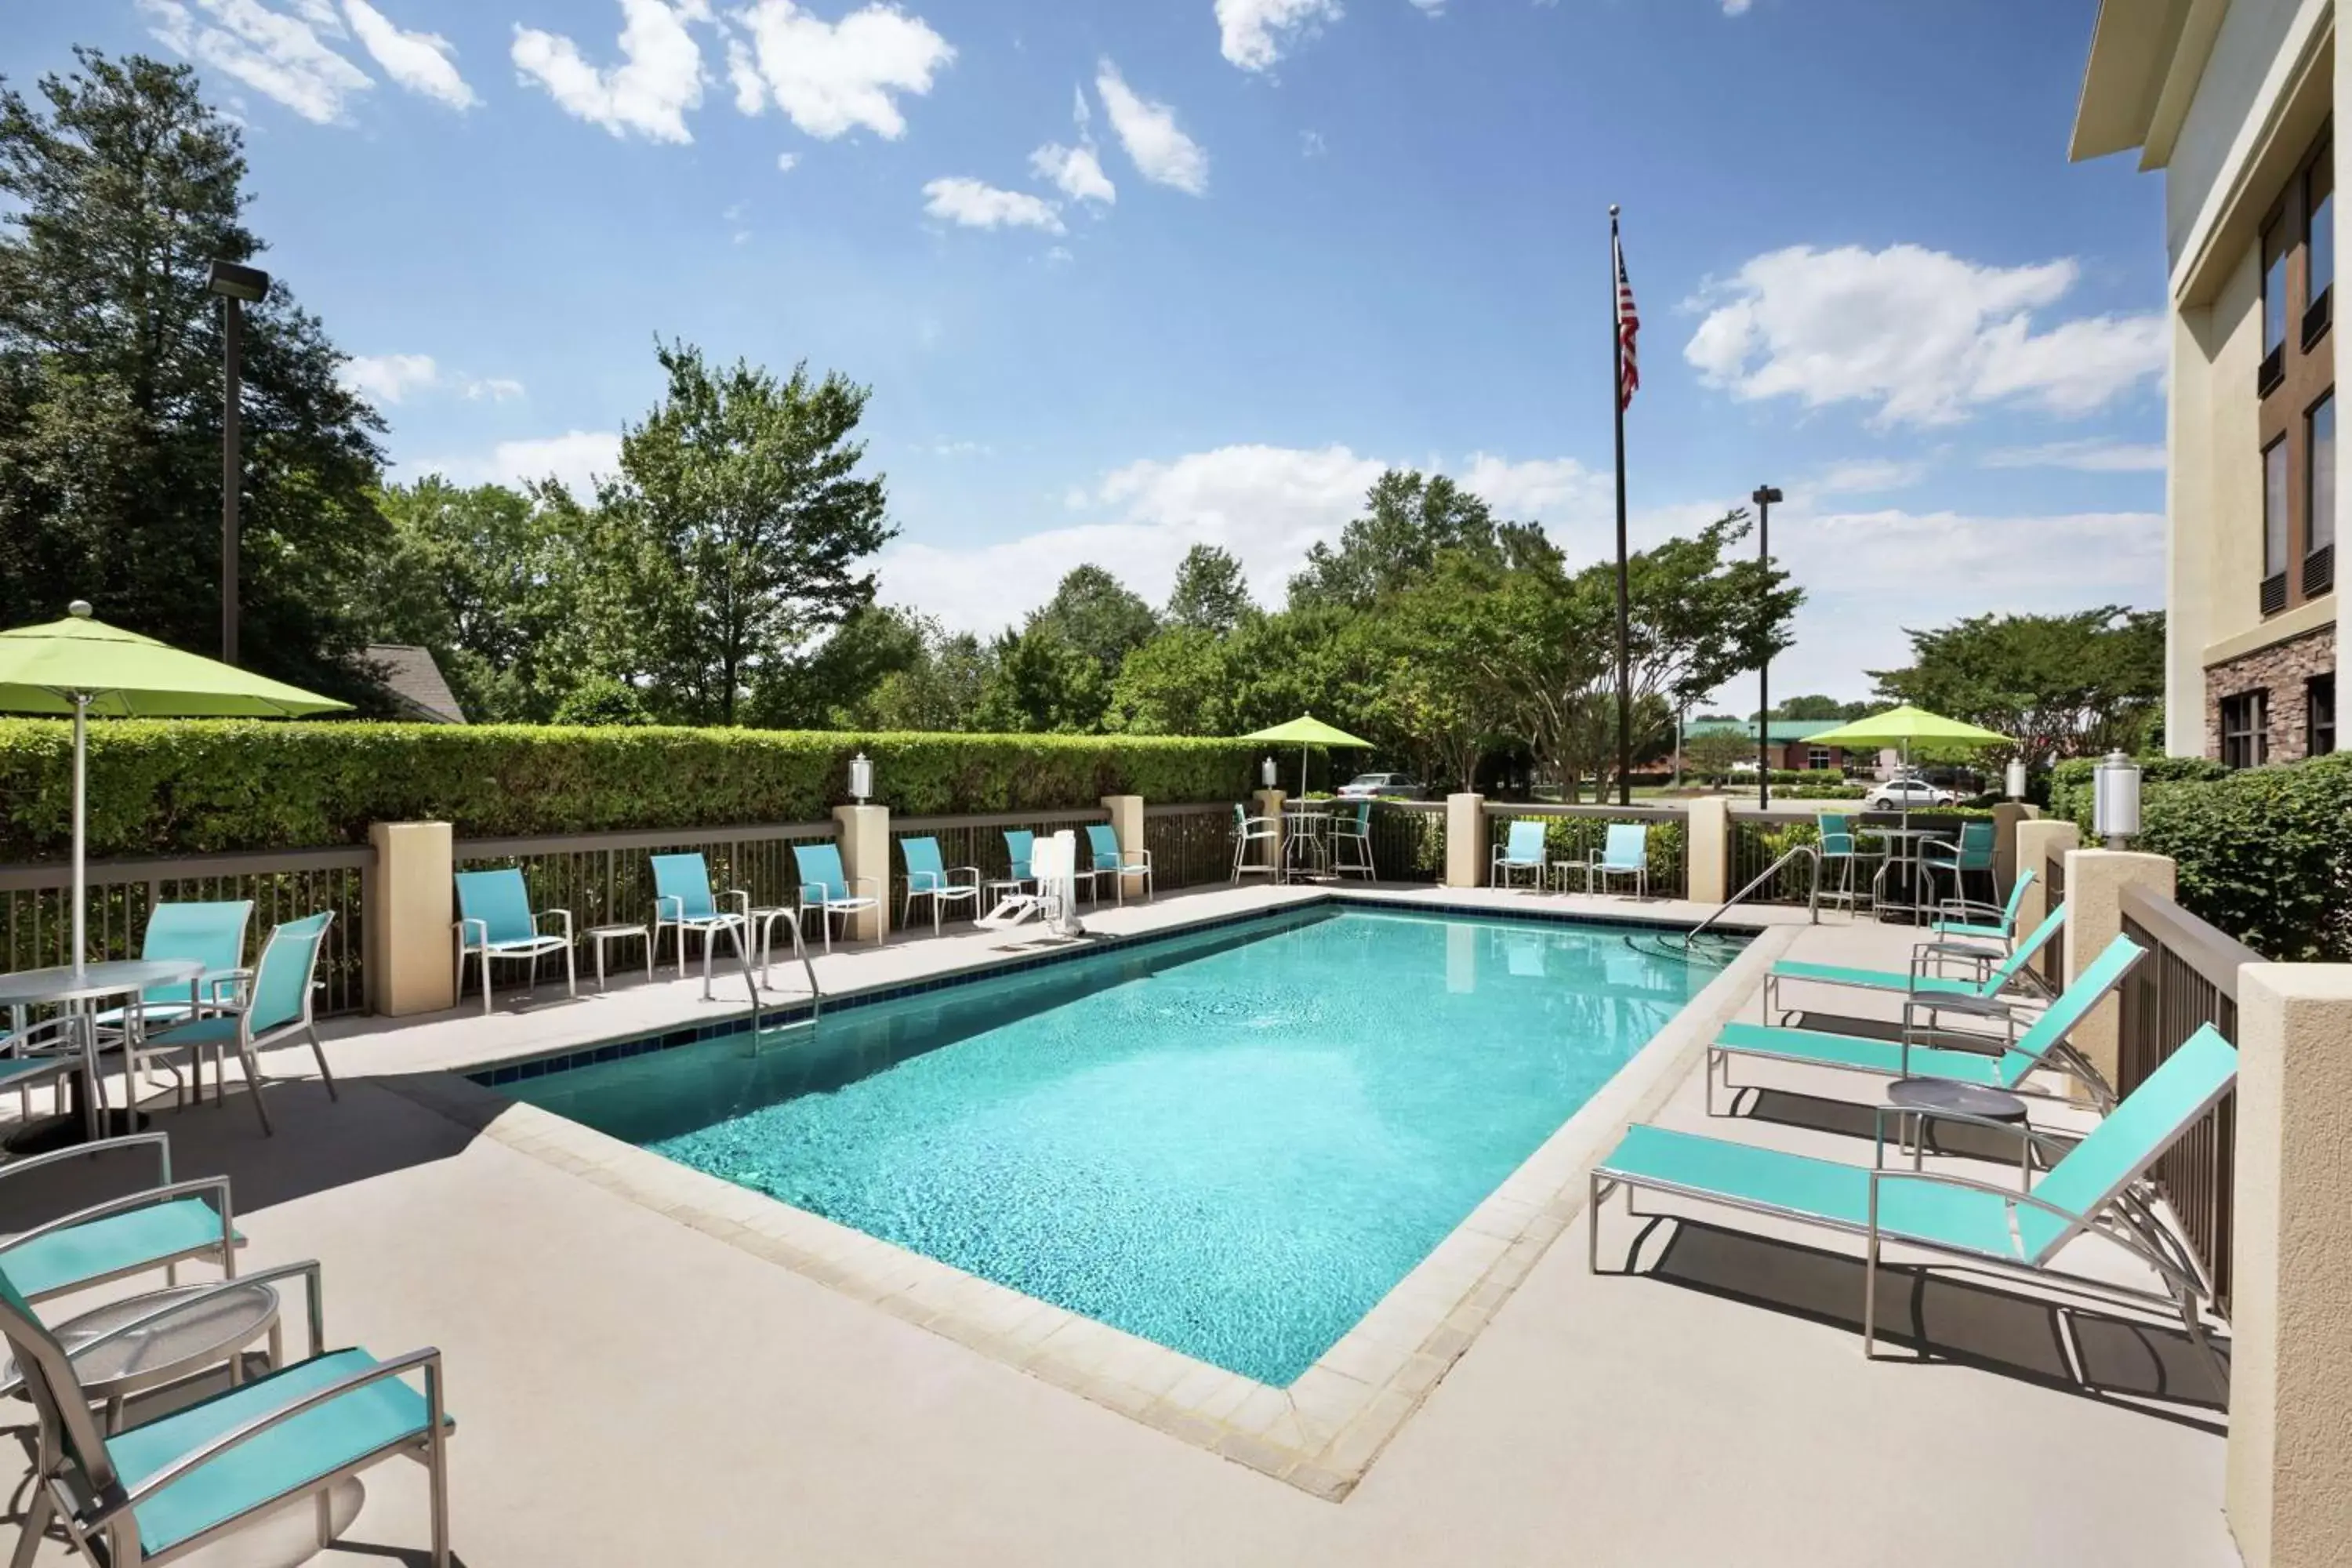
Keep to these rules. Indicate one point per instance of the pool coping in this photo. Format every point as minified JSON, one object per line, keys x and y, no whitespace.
{"x":1322,"y":1432}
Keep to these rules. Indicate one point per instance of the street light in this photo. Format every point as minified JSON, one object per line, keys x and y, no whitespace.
{"x":237,"y":287}
{"x":1764,"y":496}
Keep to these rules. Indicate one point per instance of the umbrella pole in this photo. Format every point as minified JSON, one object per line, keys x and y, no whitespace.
{"x":81,"y":820}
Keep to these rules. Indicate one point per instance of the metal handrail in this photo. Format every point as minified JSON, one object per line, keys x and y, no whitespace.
{"x":1812,"y":901}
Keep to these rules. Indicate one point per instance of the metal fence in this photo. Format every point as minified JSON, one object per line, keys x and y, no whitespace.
{"x":1573,"y":834}
{"x":37,"y":913}
{"x":979,"y":842}
{"x":1408,"y":840}
{"x":2189,"y":979}
{"x":1192,"y":846}
{"x":1760,"y":837}
{"x":2053,"y":963}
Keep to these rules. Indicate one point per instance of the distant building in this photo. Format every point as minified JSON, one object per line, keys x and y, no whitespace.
{"x":2235,"y":101}
{"x":413,"y":682}
{"x":1792,"y":740}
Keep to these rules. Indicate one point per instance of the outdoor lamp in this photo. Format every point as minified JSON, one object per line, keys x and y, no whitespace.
{"x":861,"y":778}
{"x":2015,"y":781}
{"x":1266,"y":772}
{"x":247,"y":283}
{"x":2115,"y":802}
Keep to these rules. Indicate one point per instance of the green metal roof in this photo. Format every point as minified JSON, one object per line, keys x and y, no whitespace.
{"x":1783,"y":729}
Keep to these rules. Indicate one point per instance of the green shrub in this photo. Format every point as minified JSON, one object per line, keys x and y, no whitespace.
{"x":162,"y":787}
{"x":2265,"y":853}
{"x":2071,"y":787}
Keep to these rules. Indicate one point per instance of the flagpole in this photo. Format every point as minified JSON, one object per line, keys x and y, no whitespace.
{"x":1625,"y":596}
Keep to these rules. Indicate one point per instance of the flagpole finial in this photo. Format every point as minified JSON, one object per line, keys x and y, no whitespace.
{"x":1613,"y":209}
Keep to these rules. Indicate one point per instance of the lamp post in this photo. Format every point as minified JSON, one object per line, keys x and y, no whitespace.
{"x":861,"y":778}
{"x":237,"y":287}
{"x":2015,"y":778}
{"x":1265,"y":771}
{"x":2114,"y":799}
{"x":1764,"y":496}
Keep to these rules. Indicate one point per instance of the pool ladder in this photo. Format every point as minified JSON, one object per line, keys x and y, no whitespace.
{"x":1811,"y":853}
{"x":753,"y":981}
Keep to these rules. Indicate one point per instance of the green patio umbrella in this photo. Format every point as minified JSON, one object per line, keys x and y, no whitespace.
{"x":79,"y":666}
{"x":1306,"y":732}
{"x":1906,"y":726}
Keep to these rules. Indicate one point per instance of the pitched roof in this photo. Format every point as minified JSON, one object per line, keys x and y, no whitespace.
{"x":413,"y":681}
{"x":1783,"y":729}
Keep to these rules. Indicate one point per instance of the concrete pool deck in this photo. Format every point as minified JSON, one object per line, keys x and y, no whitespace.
{"x":631,"y":1389}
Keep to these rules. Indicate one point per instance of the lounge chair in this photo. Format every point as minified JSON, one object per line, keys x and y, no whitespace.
{"x":1249,"y":832}
{"x":1625,"y":852}
{"x":928,"y":878}
{"x":2088,"y":1191}
{"x":1957,"y":919}
{"x":158,"y":1226}
{"x":683,"y":903}
{"x":167,"y":1488}
{"x":1985,"y":985}
{"x":1351,"y":839}
{"x":1522,"y":849}
{"x":827,"y":888}
{"x":2042,"y":1048}
{"x":495,"y":919}
{"x":1105,"y":858}
{"x":274,"y":1008}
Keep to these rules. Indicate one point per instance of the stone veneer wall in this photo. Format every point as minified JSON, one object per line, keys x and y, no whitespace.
{"x":2283,"y":668}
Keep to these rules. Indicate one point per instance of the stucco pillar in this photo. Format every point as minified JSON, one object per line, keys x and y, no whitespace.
{"x":2095,"y":880}
{"x":1267,"y":803}
{"x":1465,"y":841}
{"x":2005,"y":818}
{"x":411,"y":908}
{"x":864,"y":832}
{"x":2037,"y":843}
{"x":1125,"y":819}
{"x":1707,"y":822}
{"x":2289,"y":1473}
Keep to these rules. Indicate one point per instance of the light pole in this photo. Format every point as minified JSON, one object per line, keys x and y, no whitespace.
{"x":237,"y":286}
{"x":1764,"y":496}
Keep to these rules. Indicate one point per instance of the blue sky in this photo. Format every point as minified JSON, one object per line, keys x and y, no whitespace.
{"x":1127,"y":277}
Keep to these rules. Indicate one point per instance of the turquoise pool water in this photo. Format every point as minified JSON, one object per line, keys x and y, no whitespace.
{"x":1232,"y":1142}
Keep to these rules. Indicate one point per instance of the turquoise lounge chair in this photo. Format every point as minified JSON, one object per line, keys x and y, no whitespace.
{"x":1522,"y":849}
{"x":159,"y":1226}
{"x":2043,"y":1046}
{"x":1105,"y":858}
{"x":162,"y":1490}
{"x":2001,"y":928}
{"x":929,"y":878}
{"x":1984,"y":987}
{"x":495,"y":919}
{"x":682,"y":902}
{"x":2089,"y":1192}
{"x":278,"y":1008}
{"x":826,"y":889}
{"x":1624,"y":853}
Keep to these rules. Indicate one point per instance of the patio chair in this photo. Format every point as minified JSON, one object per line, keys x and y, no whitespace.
{"x":164,"y":1488}
{"x":158,"y":1226}
{"x":1972,"y":855}
{"x":820,"y":875}
{"x":1105,"y":858}
{"x":1052,"y":896}
{"x":1841,"y":855}
{"x":1624,"y":853}
{"x":210,"y":932}
{"x":274,"y":1007}
{"x":1248,"y":833}
{"x":2042,"y":1047}
{"x":683,"y":903}
{"x":1352,"y":840}
{"x":49,"y":1053}
{"x":2088,"y":1191}
{"x":1521,"y":850}
{"x":1957,"y":918}
{"x":1984,"y":986}
{"x":927,"y":877}
{"x":495,"y":919}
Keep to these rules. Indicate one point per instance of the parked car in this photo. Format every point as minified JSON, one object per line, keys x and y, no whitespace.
{"x":1899,"y":795}
{"x":1379,"y":786}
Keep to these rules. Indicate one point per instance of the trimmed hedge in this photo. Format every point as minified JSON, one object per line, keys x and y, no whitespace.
{"x":2265,"y":853}
{"x":186,"y":787}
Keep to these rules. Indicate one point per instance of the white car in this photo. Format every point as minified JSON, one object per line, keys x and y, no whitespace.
{"x":1899,"y":795}
{"x":1378,"y":786}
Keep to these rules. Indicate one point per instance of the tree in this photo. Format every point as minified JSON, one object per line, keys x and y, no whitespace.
{"x":1042,"y":684}
{"x":1812,"y":709}
{"x":1178,"y":683}
{"x":942,"y":691}
{"x":1211,"y":594}
{"x":1095,"y":613}
{"x":1409,"y":519}
{"x":118,"y":187}
{"x":738,"y":523}
{"x":1716,"y":752}
{"x":824,"y":688}
{"x":2064,"y":686}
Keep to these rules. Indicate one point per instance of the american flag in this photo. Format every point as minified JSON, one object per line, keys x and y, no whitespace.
{"x":1629,"y":327}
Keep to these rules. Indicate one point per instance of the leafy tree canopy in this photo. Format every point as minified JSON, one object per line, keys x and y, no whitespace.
{"x":1211,"y":594}
{"x":1095,"y":613}
{"x":2064,"y":686}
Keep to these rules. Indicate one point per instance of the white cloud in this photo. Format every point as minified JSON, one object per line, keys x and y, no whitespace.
{"x":974,"y":205}
{"x":573,"y":459}
{"x":493,"y":389}
{"x":659,"y":79}
{"x":1311,"y":144}
{"x":832,"y":78}
{"x":744,"y":75}
{"x":420,"y":62}
{"x":1432,"y":7}
{"x":1923,"y":335}
{"x":276,"y":54}
{"x":2090,"y":457}
{"x":1866,"y":476}
{"x":1160,"y":150}
{"x":787,"y":161}
{"x":388,"y":378}
{"x":1077,"y":171}
{"x":1253,"y":33}
{"x":1730,"y":7}
{"x":962,"y":449}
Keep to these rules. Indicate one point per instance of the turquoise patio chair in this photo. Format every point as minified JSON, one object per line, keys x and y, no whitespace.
{"x":1625,"y":852}
{"x":683,"y":903}
{"x":210,"y":932}
{"x":1105,"y":858}
{"x":495,"y":919}
{"x":1522,"y":849}
{"x":1249,"y":832}
{"x":1984,"y":988}
{"x":276,"y":1008}
{"x":157,"y":1227}
{"x":50,"y":1052}
{"x":1972,"y":855}
{"x":2000,"y":928}
{"x":1352,"y":840}
{"x":2044,"y":1046}
{"x":165,"y":1488}
{"x":928,"y":878}
{"x":828,"y":889}
{"x":1842,"y":853}
{"x":2089,"y":1191}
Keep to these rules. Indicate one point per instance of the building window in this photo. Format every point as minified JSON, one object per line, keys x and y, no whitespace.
{"x":2274,"y":303}
{"x":2319,"y":497}
{"x":2319,"y":715}
{"x":2245,"y":729}
{"x":2319,"y":242}
{"x":1821,"y":758}
{"x":2275,"y":526}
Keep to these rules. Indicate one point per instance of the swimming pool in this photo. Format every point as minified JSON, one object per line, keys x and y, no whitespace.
{"x":1232,"y":1142}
